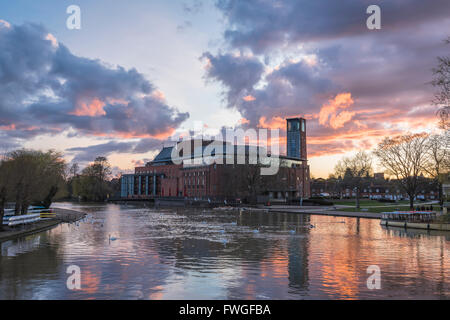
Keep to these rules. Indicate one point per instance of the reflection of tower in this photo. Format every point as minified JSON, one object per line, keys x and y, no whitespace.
{"x":296,"y":138}
{"x":298,"y":255}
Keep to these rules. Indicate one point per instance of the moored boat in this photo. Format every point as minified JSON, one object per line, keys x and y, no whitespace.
{"x":413,"y":219}
{"x":33,"y":213}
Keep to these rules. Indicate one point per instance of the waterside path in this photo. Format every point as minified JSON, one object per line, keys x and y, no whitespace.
{"x":326,"y":211}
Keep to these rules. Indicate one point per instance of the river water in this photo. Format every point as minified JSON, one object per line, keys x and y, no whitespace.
{"x":206,"y":254}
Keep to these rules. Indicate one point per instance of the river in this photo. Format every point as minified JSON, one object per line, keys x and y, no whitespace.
{"x":206,"y":254}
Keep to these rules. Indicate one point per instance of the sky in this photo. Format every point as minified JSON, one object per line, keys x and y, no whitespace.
{"x":138,"y":73}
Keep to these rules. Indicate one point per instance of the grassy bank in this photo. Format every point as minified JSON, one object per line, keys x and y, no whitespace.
{"x":371,"y":203}
{"x":378,"y":209}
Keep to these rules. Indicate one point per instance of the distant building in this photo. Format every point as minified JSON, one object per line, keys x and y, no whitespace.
{"x":379,"y":176}
{"x":373,"y":188}
{"x":213,"y":180}
{"x":446,"y":191}
{"x":329,"y":188}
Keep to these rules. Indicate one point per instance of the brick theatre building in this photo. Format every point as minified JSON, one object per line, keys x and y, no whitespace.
{"x":165,"y":178}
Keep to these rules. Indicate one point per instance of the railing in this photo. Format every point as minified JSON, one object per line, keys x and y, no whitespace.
{"x":413,"y":216}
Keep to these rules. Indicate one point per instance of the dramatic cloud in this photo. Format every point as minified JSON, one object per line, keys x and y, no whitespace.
{"x":7,"y":143}
{"x":237,"y":73}
{"x":88,"y":154}
{"x":44,"y":88}
{"x":291,"y":86}
{"x":333,"y":115}
{"x":262,"y":25}
{"x":321,"y":62}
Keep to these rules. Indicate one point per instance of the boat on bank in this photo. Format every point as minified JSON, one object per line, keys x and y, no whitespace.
{"x":34,"y":214}
{"x":413,"y":219}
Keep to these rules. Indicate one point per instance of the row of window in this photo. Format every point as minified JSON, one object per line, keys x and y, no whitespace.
{"x":192,"y":181}
{"x":195,"y":173}
{"x":168,"y":172}
{"x":195,"y":187}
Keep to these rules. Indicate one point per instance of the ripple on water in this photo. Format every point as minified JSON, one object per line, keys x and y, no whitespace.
{"x":202,"y":253}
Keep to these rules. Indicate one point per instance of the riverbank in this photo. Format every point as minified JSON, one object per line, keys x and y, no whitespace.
{"x":62,"y":215}
{"x":324,"y":211}
{"x":417,"y":225}
{"x":331,"y":211}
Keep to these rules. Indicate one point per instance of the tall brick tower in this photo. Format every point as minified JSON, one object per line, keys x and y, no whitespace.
{"x":296,"y":138}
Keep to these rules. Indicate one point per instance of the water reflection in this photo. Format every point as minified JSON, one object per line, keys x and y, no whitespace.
{"x":205,"y":254}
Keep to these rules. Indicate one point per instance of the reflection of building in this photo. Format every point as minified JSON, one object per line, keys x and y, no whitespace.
{"x":197,"y":176}
{"x":298,"y":255}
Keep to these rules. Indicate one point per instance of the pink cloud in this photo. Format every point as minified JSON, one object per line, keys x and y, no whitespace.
{"x":332,"y":113}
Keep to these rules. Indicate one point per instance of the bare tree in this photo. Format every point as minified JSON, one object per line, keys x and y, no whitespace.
{"x":51,"y":174}
{"x":437,"y":160}
{"x":93,"y":184}
{"x":353,"y":171}
{"x":441,"y":80}
{"x":444,"y":114}
{"x":5,"y":187}
{"x":243,"y":180}
{"x":404,"y":157}
{"x":73,"y":170}
{"x":102,"y":168}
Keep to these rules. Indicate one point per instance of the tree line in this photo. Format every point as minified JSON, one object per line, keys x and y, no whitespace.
{"x":93,"y":183}
{"x":411,"y":156}
{"x":406,"y":158}
{"x":30,"y":177}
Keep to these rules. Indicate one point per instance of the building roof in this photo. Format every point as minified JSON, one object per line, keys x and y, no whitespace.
{"x":164,"y":156}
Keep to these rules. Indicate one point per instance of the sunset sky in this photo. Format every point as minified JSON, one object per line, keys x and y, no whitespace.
{"x":141,"y":71}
